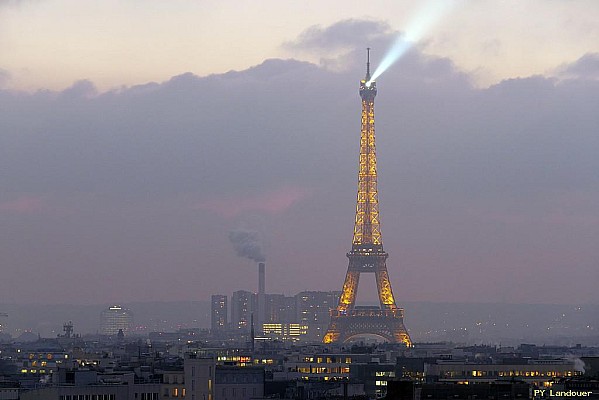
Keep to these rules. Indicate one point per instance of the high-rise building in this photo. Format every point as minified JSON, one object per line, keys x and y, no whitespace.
{"x":115,"y":319}
{"x":280,"y":309}
{"x":243,"y":305}
{"x":219,"y":310}
{"x":313,"y":310}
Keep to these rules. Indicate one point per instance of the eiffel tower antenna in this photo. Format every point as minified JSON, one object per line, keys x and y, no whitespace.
{"x":367,"y":64}
{"x":367,"y":254}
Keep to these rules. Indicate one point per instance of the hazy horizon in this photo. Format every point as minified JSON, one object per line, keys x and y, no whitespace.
{"x":426,"y":321}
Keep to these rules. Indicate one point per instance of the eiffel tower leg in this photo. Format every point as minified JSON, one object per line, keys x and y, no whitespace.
{"x":402,"y":336}
{"x":350,"y":288}
{"x":332,"y":334}
{"x":384,"y":289}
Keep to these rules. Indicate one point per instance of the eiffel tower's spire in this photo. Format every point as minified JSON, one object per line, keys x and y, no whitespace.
{"x":367,"y":79}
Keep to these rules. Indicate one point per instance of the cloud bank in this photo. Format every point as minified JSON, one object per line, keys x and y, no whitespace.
{"x":141,"y":185}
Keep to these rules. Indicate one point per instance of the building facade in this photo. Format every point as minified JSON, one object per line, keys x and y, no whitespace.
{"x":243,"y":305}
{"x":238,"y":383}
{"x":199,"y":377}
{"x":114,"y":319}
{"x":219,"y":313}
{"x":313,"y":310}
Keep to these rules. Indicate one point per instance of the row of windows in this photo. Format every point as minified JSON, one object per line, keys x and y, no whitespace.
{"x":324,"y":378}
{"x":242,"y":378}
{"x":202,"y":369}
{"x":35,"y":363}
{"x":234,"y":392}
{"x":173,"y":378}
{"x":146,"y":396}
{"x":34,"y":371}
{"x":457,"y":374}
{"x":390,"y":374}
{"x":323,"y":370}
{"x":174,"y":392}
{"x":48,"y":356}
{"x":328,"y":360}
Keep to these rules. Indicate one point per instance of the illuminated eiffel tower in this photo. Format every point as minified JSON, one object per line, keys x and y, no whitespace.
{"x":367,"y":254}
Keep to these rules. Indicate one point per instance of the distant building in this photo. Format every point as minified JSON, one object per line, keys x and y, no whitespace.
{"x":536,"y":372}
{"x":371,"y":371}
{"x":219,"y":310}
{"x":313,"y":311}
{"x":115,"y":319}
{"x":243,"y":305}
{"x":280,"y":309}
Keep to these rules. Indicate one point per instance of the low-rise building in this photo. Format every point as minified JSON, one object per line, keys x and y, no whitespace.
{"x":238,"y":383}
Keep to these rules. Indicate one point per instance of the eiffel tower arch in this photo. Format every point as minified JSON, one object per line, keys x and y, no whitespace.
{"x":367,"y":254}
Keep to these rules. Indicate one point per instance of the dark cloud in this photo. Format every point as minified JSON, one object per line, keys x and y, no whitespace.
{"x":343,"y":35}
{"x":80,"y":89}
{"x":342,"y":46}
{"x":586,"y":67}
{"x":105,"y":195}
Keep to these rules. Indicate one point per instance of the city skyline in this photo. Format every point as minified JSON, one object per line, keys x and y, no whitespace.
{"x":117,"y":193}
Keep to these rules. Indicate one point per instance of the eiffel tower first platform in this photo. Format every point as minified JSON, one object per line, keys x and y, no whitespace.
{"x":367,"y":254}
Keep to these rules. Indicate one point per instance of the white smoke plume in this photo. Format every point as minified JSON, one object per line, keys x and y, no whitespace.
{"x":247,"y":244}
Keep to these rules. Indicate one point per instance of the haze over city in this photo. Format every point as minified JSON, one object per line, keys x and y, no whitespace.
{"x":136,"y":136}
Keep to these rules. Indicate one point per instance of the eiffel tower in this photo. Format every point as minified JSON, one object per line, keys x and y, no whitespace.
{"x":367,"y":254}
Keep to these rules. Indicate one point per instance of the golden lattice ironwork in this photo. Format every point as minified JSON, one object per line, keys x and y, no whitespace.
{"x":367,"y":228}
{"x":367,"y":254}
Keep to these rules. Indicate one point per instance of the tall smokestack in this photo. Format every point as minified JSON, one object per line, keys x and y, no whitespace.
{"x":261,"y":278}
{"x":261,"y":296}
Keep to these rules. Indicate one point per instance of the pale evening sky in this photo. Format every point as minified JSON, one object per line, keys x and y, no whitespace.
{"x":52,"y":43}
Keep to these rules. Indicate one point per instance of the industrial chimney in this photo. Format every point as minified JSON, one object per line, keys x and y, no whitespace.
{"x":261,"y":296}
